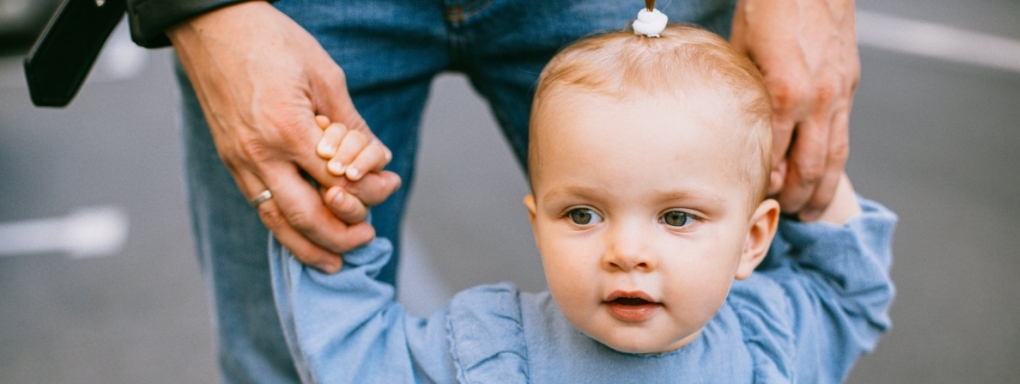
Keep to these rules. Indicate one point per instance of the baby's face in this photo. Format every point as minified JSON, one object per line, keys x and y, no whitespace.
{"x":640,"y":215}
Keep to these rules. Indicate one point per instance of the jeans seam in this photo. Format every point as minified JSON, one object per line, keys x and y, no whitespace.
{"x":457,"y":14}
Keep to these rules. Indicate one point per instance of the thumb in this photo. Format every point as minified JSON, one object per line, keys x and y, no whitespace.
{"x":330,"y":96}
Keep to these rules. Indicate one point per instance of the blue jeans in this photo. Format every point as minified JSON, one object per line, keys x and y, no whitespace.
{"x":390,"y":51}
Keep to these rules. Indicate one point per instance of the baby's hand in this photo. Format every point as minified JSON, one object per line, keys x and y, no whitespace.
{"x":350,"y":153}
{"x":844,"y":204}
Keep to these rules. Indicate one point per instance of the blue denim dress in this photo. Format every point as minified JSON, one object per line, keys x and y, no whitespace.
{"x":390,"y":50}
{"x":819,"y":301}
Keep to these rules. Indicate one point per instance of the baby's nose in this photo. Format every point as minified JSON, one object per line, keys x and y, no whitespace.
{"x":628,"y":253}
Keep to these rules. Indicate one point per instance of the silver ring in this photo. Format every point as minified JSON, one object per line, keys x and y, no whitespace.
{"x":261,"y":198}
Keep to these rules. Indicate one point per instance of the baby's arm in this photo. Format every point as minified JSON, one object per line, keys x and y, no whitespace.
{"x":835,"y":277}
{"x":348,"y":328}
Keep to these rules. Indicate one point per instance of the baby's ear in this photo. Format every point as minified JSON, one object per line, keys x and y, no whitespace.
{"x":529,"y":201}
{"x":763,"y":226}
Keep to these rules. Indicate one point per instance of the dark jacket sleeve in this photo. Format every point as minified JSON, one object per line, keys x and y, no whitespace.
{"x":148,"y":18}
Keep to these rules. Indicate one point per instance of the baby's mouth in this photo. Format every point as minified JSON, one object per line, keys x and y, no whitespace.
{"x":631,"y":301}
{"x":631,"y":306}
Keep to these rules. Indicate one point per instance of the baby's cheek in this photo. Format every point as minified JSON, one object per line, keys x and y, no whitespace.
{"x":571,"y":291}
{"x":711,"y":296}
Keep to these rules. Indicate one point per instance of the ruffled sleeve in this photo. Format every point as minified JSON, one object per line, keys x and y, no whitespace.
{"x":486,"y":335}
{"x":763,"y":311}
{"x":822,"y":297}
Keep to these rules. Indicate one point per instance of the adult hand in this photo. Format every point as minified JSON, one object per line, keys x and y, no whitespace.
{"x":261,"y":80}
{"x":807,"y":53}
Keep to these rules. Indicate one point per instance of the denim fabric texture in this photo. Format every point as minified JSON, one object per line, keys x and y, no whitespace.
{"x":390,"y":51}
{"x":823,"y":301}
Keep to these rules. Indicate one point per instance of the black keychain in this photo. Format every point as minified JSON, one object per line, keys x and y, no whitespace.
{"x":61,"y":58}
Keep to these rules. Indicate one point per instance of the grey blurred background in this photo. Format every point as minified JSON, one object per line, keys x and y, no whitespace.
{"x":934,"y":136}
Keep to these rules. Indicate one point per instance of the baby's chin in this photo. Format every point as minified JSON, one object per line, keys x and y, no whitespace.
{"x":642,"y":342}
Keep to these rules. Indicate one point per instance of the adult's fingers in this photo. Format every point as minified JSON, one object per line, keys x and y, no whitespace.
{"x":350,"y":202}
{"x":309,"y":253}
{"x":790,"y":98}
{"x":269,"y":212}
{"x":807,"y":54}
{"x":374,"y":187}
{"x":782,"y":134}
{"x":836,"y":156}
{"x":348,"y":208}
{"x":777,"y":177}
{"x":807,"y":164}
{"x":301,"y":208}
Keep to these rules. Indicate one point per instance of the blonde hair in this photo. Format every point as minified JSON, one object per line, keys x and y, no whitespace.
{"x":684,"y":58}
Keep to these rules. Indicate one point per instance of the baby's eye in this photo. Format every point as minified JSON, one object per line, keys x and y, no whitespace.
{"x":584,"y":216}
{"x":676,"y":219}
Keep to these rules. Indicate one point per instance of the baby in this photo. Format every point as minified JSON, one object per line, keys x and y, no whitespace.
{"x":648,"y":165}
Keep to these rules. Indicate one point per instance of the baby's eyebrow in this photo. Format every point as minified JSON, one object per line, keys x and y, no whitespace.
{"x":583,"y":192}
{"x":688,"y":195}
{"x":691,"y":195}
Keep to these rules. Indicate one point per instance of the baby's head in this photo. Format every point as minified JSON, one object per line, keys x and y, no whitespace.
{"x":649,"y":162}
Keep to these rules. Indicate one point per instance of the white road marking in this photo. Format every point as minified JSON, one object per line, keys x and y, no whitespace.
{"x":87,"y":232}
{"x":937,"y":41}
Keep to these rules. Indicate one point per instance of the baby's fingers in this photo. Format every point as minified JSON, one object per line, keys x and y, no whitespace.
{"x":322,"y":121}
{"x":352,"y":144}
{"x":330,"y":141}
{"x":372,"y":159}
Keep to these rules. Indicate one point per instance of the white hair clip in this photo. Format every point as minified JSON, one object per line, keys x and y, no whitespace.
{"x":650,"y":22}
